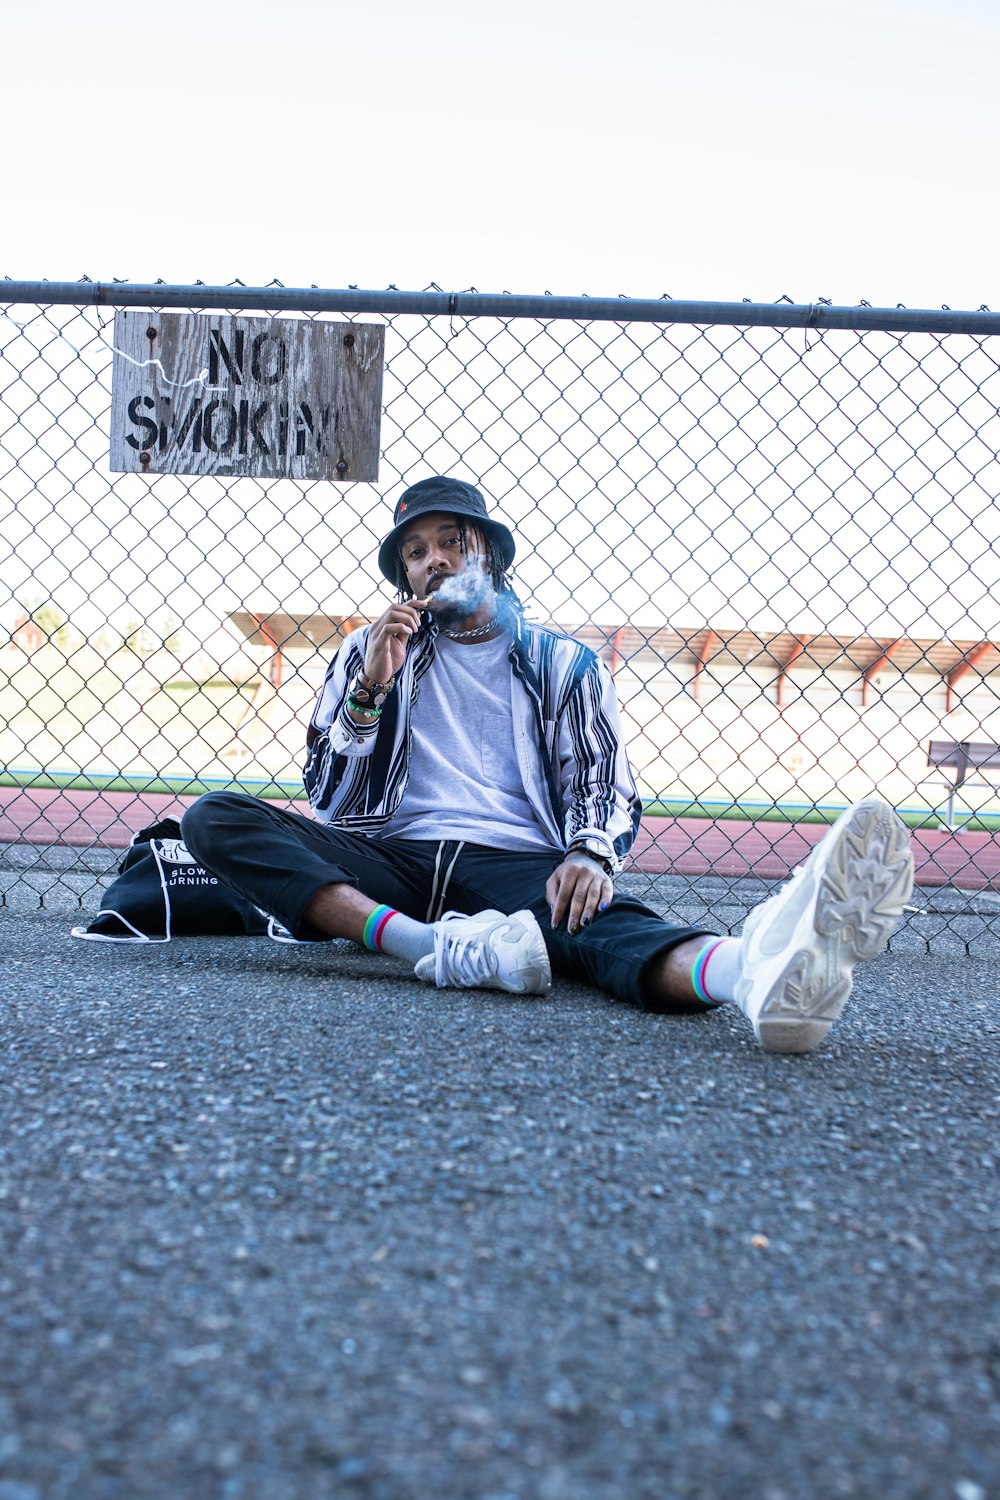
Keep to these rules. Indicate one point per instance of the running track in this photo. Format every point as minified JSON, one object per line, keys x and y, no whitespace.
{"x":676,"y":846}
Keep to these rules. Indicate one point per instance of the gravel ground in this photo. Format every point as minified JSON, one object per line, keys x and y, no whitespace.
{"x":281,"y":1223}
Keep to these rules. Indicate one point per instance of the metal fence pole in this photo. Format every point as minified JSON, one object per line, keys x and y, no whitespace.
{"x":430,"y":304}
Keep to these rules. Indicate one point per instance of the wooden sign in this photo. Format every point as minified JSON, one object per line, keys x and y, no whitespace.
{"x":273,"y":397}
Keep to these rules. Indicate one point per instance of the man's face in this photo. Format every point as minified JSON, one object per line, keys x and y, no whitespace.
{"x":433,"y":552}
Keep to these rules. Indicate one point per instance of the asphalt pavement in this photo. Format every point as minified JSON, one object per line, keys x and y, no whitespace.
{"x":282,"y":1223}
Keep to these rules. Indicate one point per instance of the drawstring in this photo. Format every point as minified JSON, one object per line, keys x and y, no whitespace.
{"x":438,"y":893}
{"x":429,"y":914}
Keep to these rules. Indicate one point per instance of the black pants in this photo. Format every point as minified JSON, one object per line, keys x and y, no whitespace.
{"x":279,"y":860}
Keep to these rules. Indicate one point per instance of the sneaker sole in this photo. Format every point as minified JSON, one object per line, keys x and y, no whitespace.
{"x":861,"y":897}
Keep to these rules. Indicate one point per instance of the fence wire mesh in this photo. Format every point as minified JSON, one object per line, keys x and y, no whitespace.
{"x":783,"y":542}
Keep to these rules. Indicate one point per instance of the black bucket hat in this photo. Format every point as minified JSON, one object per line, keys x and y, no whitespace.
{"x":451,"y":495}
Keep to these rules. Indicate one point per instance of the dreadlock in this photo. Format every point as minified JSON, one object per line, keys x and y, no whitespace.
{"x":493,"y":559}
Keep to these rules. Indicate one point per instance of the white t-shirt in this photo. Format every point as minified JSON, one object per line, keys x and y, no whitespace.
{"x":464,"y":780}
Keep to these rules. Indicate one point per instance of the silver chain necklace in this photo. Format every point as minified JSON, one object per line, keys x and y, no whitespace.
{"x":471,"y":635}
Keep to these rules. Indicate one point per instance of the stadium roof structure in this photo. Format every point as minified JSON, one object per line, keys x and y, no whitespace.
{"x":693,"y":648}
{"x":781,"y":650}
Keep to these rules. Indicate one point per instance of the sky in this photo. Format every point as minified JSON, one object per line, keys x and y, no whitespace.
{"x":710,"y":151}
{"x":799,"y":148}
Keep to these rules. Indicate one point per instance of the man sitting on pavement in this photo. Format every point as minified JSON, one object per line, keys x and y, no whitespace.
{"x":461,"y":757}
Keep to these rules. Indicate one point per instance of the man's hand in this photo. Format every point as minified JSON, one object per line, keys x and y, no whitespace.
{"x":389,"y":637}
{"x":578,"y":890}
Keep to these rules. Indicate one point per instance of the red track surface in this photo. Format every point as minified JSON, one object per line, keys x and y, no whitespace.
{"x":679,"y":846}
{"x":695,"y":846}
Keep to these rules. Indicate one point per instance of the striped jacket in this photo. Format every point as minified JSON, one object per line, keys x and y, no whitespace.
{"x":567,"y":734}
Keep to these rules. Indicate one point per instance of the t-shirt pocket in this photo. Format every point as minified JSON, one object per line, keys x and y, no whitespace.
{"x":499,"y":760}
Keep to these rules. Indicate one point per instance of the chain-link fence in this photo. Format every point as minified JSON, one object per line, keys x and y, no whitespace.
{"x":777,"y":525}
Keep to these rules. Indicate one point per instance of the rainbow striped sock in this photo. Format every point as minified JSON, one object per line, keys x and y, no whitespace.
{"x":375,"y":927}
{"x":394,"y":933}
{"x":698,"y":972}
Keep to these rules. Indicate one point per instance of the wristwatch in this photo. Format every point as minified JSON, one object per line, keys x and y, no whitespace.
{"x":595,"y":850}
{"x":368,"y":693}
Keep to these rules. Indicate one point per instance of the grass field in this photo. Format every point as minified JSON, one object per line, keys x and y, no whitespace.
{"x":174,"y":786}
{"x":759,"y":812}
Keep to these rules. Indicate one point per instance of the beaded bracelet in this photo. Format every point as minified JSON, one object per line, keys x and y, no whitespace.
{"x":359,"y":708}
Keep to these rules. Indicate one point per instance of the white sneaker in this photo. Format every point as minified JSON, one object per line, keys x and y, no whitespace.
{"x":489,"y":951}
{"x":842,"y":905}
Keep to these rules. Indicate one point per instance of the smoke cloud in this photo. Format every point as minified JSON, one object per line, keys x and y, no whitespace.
{"x":461,"y":594}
